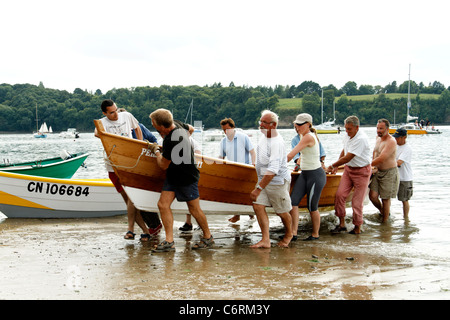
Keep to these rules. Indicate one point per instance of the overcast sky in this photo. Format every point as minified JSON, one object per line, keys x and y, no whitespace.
{"x":122,"y":44}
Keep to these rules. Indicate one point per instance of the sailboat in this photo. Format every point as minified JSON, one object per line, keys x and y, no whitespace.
{"x":38,"y":133}
{"x":411,"y":128}
{"x":198,"y":128}
{"x":45,"y":129}
{"x":328,"y":126}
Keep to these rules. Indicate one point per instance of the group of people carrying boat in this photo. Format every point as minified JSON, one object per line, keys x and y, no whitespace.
{"x":274,"y":178}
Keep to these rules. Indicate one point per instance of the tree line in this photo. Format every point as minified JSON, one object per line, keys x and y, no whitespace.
{"x":63,"y":110}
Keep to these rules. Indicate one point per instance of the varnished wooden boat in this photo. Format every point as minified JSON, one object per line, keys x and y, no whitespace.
{"x":224,"y":186}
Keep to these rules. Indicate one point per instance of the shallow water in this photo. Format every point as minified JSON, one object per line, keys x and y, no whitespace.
{"x":89,"y":259}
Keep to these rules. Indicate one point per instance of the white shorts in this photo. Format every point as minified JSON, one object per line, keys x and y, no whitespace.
{"x":276,"y":196}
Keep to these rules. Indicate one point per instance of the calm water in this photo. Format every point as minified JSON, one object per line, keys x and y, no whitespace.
{"x":425,"y":237}
{"x":430,"y":206}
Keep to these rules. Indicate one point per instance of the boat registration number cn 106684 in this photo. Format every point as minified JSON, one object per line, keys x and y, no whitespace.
{"x":61,"y":189}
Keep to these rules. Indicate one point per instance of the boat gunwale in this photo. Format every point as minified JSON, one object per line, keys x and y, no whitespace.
{"x":88,"y":182}
{"x":40,"y":163}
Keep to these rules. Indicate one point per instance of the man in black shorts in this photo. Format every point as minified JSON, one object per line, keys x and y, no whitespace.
{"x":181,"y":177}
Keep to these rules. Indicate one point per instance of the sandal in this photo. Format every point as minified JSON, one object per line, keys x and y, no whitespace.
{"x":129,"y":235}
{"x":338,"y":229}
{"x":204,"y":243}
{"x":164,"y":247}
{"x":186,"y":227}
{"x":145,"y":237}
{"x":311,"y":238}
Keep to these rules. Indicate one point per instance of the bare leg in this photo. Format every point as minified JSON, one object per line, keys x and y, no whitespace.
{"x":263,"y":221}
{"x":294,"y":217}
{"x":287,"y":222}
{"x":199,"y":216}
{"x":373,"y":196}
{"x":405,"y":209}
{"x":164,"y":203}
{"x":386,"y":209}
{"x":315,"y":218}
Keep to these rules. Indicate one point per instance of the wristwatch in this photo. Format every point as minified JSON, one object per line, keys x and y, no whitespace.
{"x":259,"y":187}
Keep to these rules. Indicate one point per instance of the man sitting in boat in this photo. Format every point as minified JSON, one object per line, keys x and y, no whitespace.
{"x":182,"y":177}
{"x":236,"y":146}
{"x":122,"y":123}
{"x":274,"y":180}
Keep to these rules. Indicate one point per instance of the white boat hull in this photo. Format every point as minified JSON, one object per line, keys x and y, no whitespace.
{"x":23,"y":196}
{"x":148,"y":201}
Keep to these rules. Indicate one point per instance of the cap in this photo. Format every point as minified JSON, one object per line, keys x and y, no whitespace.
{"x":302,"y":118}
{"x":401,"y":132}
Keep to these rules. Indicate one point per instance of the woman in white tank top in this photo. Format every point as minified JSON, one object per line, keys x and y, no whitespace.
{"x":312,"y":178}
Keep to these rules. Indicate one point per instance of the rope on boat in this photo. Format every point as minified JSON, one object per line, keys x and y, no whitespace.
{"x":108,"y":160}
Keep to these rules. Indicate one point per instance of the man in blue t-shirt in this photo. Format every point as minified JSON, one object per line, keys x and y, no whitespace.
{"x":236,"y":146}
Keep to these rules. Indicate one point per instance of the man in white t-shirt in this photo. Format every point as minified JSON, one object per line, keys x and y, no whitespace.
{"x":357,"y":158}
{"x":274,"y":181}
{"x":121,"y":123}
{"x":404,"y":156}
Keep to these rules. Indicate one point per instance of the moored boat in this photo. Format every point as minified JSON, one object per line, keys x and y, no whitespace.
{"x":24,"y":196}
{"x":411,"y":128}
{"x":71,"y":133}
{"x":58,"y":167}
{"x":224,"y":186}
{"x":326,"y":128}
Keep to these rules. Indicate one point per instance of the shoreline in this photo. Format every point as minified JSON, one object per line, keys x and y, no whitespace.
{"x":78,"y":259}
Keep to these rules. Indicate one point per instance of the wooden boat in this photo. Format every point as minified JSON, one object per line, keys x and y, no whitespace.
{"x":224,"y":186}
{"x":24,"y":196}
{"x":58,"y":167}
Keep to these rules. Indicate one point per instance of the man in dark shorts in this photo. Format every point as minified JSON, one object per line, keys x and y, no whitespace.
{"x":181,"y":177}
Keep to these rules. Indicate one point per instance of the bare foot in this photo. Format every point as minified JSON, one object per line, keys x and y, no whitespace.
{"x":285,"y":242}
{"x":235,"y":218}
{"x":356,"y":230}
{"x":261,"y":244}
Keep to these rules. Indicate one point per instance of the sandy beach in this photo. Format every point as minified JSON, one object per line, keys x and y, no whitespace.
{"x":89,"y":259}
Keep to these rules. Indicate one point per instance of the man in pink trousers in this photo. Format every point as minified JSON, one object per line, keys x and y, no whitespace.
{"x":357,"y":158}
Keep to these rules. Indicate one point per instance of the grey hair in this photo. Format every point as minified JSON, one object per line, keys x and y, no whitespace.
{"x":353,"y":120}
{"x":273,"y":115}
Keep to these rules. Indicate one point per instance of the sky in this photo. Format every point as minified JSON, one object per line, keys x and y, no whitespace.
{"x":99,"y":44}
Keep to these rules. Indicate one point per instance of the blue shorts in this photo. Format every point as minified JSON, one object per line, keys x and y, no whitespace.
{"x":183,"y":193}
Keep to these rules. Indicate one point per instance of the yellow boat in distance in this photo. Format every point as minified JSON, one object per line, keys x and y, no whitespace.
{"x":224,"y":186}
{"x":412,"y":128}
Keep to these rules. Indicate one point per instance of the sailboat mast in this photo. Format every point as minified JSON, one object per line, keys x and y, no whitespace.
{"x":322,"y":106}
{"x":37,"y":120}
{"x":409,"y":90}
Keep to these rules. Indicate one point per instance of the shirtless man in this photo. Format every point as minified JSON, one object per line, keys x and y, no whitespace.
{"x":385,"y":179}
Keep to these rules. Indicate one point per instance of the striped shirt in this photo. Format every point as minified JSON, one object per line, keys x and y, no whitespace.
{"x":238,"y":149}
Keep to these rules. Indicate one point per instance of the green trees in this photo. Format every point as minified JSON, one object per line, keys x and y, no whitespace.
{"x":62,"y":109}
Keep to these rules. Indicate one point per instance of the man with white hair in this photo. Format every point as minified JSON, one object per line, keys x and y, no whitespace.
{"x":274,"y":180}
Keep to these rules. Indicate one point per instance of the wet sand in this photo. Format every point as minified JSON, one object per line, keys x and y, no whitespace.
{"x":89,"y":259}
